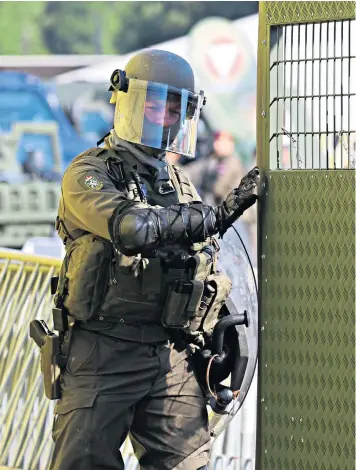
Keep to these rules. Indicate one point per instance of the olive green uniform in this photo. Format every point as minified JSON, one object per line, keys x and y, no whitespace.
{"x":124,"y":374}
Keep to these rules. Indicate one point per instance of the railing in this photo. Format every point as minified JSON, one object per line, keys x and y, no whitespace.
{"x":25,"y":413}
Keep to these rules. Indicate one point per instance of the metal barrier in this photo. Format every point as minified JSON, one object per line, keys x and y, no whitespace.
{"x":25,"y":413}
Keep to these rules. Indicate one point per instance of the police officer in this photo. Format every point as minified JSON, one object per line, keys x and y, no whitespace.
{"x":130,"y":221}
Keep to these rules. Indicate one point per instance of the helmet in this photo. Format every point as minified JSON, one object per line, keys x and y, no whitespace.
{"x":156,"y":105}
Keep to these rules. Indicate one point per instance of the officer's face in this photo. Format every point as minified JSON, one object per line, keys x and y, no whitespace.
{"x":162,"y":113}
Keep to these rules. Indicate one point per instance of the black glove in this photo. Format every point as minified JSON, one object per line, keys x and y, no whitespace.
{"x":238,"y":200}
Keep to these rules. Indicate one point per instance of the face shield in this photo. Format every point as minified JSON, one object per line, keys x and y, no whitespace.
{"x":157,"y":115}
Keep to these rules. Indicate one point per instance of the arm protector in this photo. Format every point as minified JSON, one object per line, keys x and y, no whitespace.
{"x":135,"y":228}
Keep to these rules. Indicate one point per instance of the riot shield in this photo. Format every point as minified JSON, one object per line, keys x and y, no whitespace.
{"x":235,"y":263}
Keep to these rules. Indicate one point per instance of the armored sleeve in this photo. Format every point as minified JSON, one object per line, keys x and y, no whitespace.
{"x":89,"y":196}
{"x":136,"y":229}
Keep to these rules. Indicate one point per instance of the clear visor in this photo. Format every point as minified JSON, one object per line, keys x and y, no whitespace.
{"x":159,"y":116}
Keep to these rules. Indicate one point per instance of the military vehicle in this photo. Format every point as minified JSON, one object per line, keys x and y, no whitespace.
{"x":37,"y":142}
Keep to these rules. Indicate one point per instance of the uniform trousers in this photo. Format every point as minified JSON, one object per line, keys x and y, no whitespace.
{"x":113,"y":388}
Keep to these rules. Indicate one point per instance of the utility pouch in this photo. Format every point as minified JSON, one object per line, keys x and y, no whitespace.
{"x":188,"y":301}
{"x":221,"y":285}
{"x":174,"y":310}
{"x":195,"y":299}
{"x":206,"y":297}
{"x":87,"y":276}
{"x":51,"y":358}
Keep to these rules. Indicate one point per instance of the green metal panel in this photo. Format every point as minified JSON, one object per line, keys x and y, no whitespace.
{"x":306,"y":396}
{"x":306,"y":12}
{"x":306,"y":416}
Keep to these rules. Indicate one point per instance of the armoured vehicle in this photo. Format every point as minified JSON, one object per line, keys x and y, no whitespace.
{"x":37,"y":142}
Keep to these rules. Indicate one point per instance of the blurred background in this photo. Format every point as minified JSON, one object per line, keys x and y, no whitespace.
{"x":56,"y":59}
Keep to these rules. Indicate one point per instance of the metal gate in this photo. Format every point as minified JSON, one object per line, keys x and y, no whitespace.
{"x":306,"y":151}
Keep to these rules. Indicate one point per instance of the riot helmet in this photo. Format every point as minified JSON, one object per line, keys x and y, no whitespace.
{"x":156,"y":105}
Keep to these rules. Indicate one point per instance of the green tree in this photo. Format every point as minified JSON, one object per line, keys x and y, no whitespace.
{"x":68,"y":27}
{"x":104,"y":27}
{"x":120,"y":27}
{"x":82,"y":27}
{"x":148,"y":23}
{"x":21,"y":28}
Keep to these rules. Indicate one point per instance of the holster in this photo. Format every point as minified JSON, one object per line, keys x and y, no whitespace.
{"x":53,"y":347}
{"x":51,"y":357}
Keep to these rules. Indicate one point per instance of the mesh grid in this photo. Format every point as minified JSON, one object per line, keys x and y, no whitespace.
{"x":313,"y":96}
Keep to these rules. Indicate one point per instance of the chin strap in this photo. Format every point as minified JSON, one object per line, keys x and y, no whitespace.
{"x":102,"y":139}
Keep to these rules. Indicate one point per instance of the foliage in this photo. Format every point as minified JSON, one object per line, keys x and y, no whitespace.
{"x":20,"y":28}
{"x":161,"y":21}
{"x":103,"y":27}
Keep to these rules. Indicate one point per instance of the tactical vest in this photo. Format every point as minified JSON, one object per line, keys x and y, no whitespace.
{"x":128,"y":295}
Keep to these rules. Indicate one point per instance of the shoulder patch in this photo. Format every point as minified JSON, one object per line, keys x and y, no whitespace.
{"x":90,"y":181}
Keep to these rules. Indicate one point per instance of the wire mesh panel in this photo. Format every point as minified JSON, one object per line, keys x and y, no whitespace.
{"x":306,"y":149}
{"x":312,"y":97}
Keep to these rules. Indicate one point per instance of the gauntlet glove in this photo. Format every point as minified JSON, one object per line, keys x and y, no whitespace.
{"x":237,"y":201}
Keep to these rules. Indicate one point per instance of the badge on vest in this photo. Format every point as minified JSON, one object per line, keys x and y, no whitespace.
{"x":91,"y":182}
